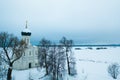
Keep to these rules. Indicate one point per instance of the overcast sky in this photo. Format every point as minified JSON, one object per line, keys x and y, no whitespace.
{"x":80,"y":20}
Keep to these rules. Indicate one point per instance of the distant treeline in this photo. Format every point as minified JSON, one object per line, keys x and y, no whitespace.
{"x":108,"y":45}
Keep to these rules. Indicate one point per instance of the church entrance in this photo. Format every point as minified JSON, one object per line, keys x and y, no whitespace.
{"x":29,"y":65}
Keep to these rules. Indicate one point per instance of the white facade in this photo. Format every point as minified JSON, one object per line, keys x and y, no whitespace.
{"x":29,"y":58}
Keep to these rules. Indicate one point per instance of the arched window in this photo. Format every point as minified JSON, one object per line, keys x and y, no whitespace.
{"x":27,"y":40}
{"x":29,"y":52}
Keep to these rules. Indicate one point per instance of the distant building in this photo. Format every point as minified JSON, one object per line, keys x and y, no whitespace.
{"x":29,"y":57}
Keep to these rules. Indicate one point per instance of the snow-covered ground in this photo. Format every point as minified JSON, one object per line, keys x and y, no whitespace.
{"x":91,"y":64}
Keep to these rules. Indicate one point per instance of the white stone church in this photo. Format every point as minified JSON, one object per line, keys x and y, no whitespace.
{"x":29,"y":58}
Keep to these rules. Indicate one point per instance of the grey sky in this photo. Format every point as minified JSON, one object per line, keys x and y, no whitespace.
{"x":81,"y":20}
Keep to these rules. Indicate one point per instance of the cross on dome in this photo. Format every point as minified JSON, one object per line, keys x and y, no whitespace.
{"x":26,"y":24}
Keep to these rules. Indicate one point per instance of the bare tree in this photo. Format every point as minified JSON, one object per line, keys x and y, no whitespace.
{"x":61,"y":58}
{"x":52,"y":61}
{"x":44,"y":46}
{"x":13,"y":49}
{"x":56,"y":61}
{"x":113,"y":70}
{"x":67,"y":44}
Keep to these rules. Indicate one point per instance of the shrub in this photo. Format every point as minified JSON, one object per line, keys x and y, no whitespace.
{"x":113,"y":70}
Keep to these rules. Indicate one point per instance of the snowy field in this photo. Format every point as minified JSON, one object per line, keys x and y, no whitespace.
{"x":91,"y":64}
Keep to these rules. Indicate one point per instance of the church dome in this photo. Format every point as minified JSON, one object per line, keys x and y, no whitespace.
{"x":26,"y":31}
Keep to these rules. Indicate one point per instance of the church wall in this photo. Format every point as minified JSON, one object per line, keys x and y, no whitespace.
{"x":28,"y":60}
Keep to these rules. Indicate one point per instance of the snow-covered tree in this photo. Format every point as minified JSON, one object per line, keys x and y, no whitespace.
{"x":12,"y":48}
{"x":3,"y":66}
{"x":43,"y":51}
{"x":57,"y":61}
{"x":67,"y":44}
{"x":54,"y":57}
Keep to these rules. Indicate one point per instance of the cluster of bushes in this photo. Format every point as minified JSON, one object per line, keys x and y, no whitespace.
{"x":101,"y":48}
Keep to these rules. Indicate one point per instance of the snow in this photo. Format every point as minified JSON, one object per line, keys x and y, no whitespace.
{"x":94,"y":63}
{"x":26,"y":30}
{"x":33,"y":73}
{"x":91,"y":64}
